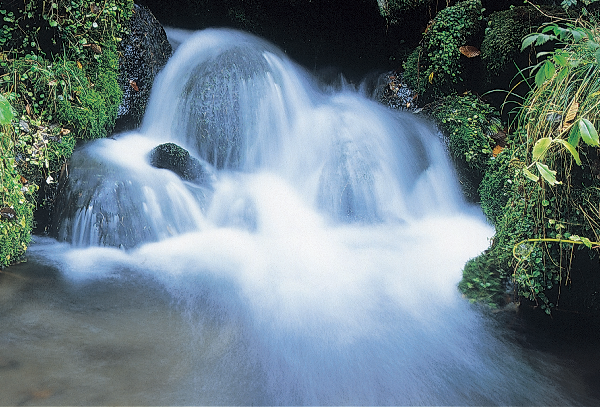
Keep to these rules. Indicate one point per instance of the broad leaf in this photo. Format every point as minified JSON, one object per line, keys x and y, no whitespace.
{"x":571,"y":149}
{"x":545,"y":72}
{"x":560,"y":59}
{"x":586,"y":242}
{"x":574,"y":136}
{"x":546,"y":173}
{"x":6,"y":114}
{"x":530,"y":175}
{"x":588,"y":132}
{"x":527,"y":41}
{"x":540,"y":148}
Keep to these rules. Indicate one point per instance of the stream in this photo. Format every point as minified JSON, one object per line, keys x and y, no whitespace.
{"x":314,"y":261}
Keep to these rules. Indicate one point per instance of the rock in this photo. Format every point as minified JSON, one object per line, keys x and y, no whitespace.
{"x":144,"y":52}
{"x":391,"y":90}
{"x":177,"y":159}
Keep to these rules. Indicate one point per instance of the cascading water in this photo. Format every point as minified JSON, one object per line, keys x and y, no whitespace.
{"x":321,"y":252}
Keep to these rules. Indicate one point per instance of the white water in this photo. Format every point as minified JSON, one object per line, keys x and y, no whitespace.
{"x":324,"y":251}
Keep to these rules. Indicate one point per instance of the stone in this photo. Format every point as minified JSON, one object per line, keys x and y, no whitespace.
{"x":144,"y":52}
{"x":172,"y":157}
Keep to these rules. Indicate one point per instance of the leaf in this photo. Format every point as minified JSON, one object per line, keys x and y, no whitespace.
{"x":560,"y":59}
{"x":544,"y":38}
{"x":430,"y":77}
{"x":497,"y":150}
{"x":586,"y":242}
{"x":527,"y":41}
{"x":571,"y":113}
{"x":530,"y":175}
{"x":545,"y":72}
{"x":574,"y":136}
{"x":546,"y":173}
{"x":571,"y":149}
{"x":588,"y":132}
{"x":469,"y":51}
{"x":6,"y":114}
{"x":540,"y":148}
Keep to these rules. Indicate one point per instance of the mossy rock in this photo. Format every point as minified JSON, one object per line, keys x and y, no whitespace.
{"x":469,"y":126}
{"x":437,"y":67}
{"x":501,"y":46}
{"x":172,"y":157}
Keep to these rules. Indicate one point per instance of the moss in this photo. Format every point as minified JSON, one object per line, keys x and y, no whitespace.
{"x":61,"y":78}
{"x":16,"y":205}
{"x":468,"y":125}
{"x":496,"y":186}
{"x":501,"y":46}
{"x":437,"y":67}
{"x":484,"y":280}
{"x":394,"y":9}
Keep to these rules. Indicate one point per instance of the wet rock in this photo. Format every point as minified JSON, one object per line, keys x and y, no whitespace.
{"x":177,"y":159}
{"x":144,"y":52}
{"x":393,"y":92}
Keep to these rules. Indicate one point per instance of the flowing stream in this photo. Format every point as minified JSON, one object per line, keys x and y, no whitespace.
{"x":314,"y":261}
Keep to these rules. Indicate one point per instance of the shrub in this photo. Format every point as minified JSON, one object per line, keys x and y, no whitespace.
{"x":552,"y":212}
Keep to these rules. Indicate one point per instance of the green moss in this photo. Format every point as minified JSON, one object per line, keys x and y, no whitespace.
{"x":16,"y":205}
{"x":501,"y":45}
{"x":496,"y":186}
{"x":394,"y":9}
{"x":436,"y":68}
{"x":484,"y":280}
{"x":61,"y":78}
{"x":468,"y":125}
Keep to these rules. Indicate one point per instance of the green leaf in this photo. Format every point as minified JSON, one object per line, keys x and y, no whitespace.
{"x":540,"y":148}
{"x":527,"y":41}
{"x":560,"y":59}
{"x":546,"y":173}
{"x":530,"y":175}
{"x":586,"y":242}
{"x":545,"y":72}
{"x":588,"y":133}
{"x":6,"y":114}
{"x":571,"y":149}
{"x":574,"y":136}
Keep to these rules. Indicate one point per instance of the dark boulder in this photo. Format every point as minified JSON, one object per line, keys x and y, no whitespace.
{"x":177,"y":159}
{"x":144,"y":52}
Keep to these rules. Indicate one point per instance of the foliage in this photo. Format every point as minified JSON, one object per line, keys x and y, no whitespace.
{"x":503,"y":36}
{"x":393,"y":9}
{"x":16,"y":208}
{"x":468,"y":124}
{"x":437,"y":66}
{"x":570,"y":4}
{"x":552,"y":214}
{"x":58,"y":67}
{"x":483,"y":280}
{"x":498,"y":181}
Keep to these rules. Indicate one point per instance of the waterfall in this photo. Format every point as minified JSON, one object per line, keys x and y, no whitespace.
{"x":324,"y":245}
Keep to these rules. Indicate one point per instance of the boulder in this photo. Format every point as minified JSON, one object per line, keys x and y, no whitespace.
{"x":144,"y":52}
{"x":172,"y":157}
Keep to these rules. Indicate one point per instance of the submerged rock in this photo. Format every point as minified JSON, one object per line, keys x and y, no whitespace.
{"x":144,"y":52}
{"x":172,"y":157}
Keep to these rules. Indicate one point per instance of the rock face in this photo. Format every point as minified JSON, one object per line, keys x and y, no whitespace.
{"x":177,"y":159}
{"x":144,"y":52}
